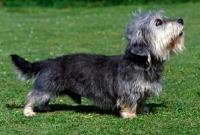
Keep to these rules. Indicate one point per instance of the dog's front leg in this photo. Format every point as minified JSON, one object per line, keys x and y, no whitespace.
{"x":128,"y":112}
{"x":141,"y":108}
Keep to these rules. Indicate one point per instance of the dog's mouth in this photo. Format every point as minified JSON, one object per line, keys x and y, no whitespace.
{"x":176,"y":39}
{"x":181,"y":33}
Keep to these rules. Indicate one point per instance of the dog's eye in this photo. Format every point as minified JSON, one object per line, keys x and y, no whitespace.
{"x":159,"y":22}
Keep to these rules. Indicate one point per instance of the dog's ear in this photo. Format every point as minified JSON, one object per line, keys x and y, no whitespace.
{"x":139,"y":49}
{"x":137,"y":43}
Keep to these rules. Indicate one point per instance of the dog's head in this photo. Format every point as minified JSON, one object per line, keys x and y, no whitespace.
{"x":151,"y":35}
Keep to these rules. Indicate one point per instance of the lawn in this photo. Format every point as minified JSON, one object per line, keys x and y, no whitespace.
{"x":40,"y":33}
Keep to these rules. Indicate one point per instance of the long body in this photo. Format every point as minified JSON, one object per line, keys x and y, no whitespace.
{"x":108,"y":81}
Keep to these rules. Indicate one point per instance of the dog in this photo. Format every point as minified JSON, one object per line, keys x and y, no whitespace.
{"x":121,"y":82}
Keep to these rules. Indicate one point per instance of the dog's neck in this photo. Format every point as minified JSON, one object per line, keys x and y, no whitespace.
{"x":143,"y":61}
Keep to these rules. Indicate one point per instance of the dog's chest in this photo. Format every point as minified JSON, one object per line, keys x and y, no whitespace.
{"x":145,"y":87}
{"x":148,"y":83}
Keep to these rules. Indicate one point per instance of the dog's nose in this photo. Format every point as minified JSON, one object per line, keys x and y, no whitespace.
{"x":180,"y":21}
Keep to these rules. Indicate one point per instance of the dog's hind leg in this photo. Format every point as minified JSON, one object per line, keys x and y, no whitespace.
{"x":75,"y":97}
{"x":32,"y":98}
{"x":44,"y":103}
{"x":28,"y":108}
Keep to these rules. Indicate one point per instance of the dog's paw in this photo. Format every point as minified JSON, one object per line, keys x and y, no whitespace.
{"x":28,"y":112}
{"x":146,"y":109}
{"x":128,"y":115}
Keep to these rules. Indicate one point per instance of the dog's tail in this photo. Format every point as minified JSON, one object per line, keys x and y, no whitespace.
{"x":25,"y":70}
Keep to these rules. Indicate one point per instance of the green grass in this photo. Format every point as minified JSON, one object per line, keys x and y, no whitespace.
{"x":37,"y":33}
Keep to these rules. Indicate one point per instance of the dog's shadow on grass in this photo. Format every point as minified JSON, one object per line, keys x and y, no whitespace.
{"x":64,"y":107}
{"x":154,"y":106}
{"x":94,"y":109}
{"x":86,"y":108}
{"x":13,"y":106}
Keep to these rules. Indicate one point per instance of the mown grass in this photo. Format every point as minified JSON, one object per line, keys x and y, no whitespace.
{"x":37,"y":33}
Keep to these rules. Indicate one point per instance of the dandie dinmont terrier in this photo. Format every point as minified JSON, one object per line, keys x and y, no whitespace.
{"x":123,"y":81}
